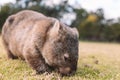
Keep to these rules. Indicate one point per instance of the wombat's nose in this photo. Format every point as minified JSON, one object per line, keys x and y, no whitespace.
{"x":64,"y":71}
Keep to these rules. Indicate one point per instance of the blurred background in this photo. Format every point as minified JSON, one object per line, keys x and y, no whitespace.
{"x":96,"y":20}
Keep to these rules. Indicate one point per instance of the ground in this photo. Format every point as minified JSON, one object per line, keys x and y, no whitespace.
{"x":97,"y":61}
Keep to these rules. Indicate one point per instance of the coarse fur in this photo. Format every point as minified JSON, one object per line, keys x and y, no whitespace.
{"x":43,"y":42}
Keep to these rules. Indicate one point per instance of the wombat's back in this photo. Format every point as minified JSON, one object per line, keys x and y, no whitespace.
{"x":22,"y":17}
{"x":22,"y":28}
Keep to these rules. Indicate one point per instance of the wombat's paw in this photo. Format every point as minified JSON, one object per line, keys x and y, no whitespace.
{"x":42,"y":72}
{"x":43,"y":69}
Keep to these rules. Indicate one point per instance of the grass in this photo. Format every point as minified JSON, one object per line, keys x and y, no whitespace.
{"x":97,"y":61}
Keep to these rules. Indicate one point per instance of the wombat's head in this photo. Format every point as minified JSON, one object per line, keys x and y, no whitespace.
{"x":61,"y":48}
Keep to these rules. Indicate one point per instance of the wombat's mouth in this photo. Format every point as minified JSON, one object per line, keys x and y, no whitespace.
{"x":65,"y":71}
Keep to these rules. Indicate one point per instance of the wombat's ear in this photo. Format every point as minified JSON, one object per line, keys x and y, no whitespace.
{"x":11,"y":19}
{"x":75,"y":31}
{"x":55,"y":29}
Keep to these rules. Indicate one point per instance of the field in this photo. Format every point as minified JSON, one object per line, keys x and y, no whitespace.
{"x":97,"y":61}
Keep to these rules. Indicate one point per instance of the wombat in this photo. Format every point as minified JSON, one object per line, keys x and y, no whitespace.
{"x":43,"y":42}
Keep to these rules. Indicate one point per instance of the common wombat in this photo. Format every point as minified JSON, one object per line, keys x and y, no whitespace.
{"x":43,"y":42}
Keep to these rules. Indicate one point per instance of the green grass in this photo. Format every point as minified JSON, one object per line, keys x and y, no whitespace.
{"x":97,"y":61}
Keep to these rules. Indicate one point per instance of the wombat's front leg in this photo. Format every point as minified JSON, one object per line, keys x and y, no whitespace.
{"x":36,"y":61}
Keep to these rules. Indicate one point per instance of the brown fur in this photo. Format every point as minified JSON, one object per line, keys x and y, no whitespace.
{"x":43,"y":42}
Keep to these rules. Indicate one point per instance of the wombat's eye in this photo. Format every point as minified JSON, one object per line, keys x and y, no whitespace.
{"x":66,"y":57}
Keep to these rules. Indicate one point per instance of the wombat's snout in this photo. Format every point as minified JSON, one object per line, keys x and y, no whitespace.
{"x":66,"y":71}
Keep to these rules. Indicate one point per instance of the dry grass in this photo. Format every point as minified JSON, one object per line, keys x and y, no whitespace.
{"x":97,"y":61}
